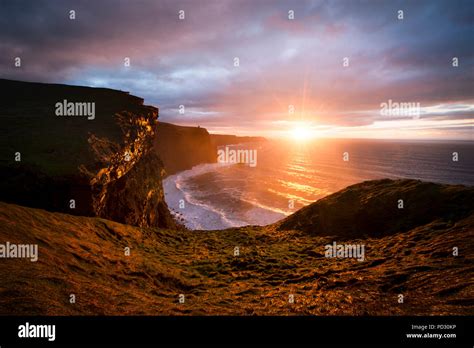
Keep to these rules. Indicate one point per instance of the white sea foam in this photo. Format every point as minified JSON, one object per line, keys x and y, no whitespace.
{"x":195,"y":214}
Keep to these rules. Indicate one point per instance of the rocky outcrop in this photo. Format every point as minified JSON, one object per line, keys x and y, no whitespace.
{"x":103,"y":166}
{"x":382,"y":207}
{"x":182,"y":148}
{"x":136,"y":197}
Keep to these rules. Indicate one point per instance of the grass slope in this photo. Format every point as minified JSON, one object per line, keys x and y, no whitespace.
{"x":85,"y":256}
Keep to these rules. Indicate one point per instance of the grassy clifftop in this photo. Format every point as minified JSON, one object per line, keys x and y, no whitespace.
{"x":85,"y":256}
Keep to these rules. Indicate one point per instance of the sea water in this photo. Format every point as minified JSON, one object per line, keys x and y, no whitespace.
{"x":289,"y":176}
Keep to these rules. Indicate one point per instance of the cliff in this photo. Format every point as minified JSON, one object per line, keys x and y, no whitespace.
{"x":181,"y":148}
{"x":96,"y":164}
{"x":405,"y":256}
{"x":224,"y":139}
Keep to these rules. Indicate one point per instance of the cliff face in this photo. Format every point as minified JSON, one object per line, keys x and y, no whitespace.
{"x":101,"y":165}
{"x":181,"y":148}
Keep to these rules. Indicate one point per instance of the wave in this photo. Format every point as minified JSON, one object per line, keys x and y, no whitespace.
{"x":198,"y":214}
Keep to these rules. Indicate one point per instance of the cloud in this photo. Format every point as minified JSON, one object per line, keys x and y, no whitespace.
{"x":282,"y":62}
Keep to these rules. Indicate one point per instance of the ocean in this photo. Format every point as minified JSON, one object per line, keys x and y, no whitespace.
{"x":288,"y":176}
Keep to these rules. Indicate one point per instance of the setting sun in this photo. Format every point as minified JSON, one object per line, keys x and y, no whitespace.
{"x":302,"y":132}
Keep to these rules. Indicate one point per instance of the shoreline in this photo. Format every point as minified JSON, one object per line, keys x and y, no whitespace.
{"x":195,"y":215}
{"x":180,"y":201}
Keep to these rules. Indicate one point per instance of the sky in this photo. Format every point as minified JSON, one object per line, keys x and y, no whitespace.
{"x":325,"y":72}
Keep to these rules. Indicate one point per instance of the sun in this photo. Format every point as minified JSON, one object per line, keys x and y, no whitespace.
{"x":302,"y":133}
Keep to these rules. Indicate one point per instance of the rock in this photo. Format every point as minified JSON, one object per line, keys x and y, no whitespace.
{"x":78,"y":165}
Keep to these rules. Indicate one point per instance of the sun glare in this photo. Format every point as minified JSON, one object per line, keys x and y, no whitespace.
{"x":302,"y":133}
